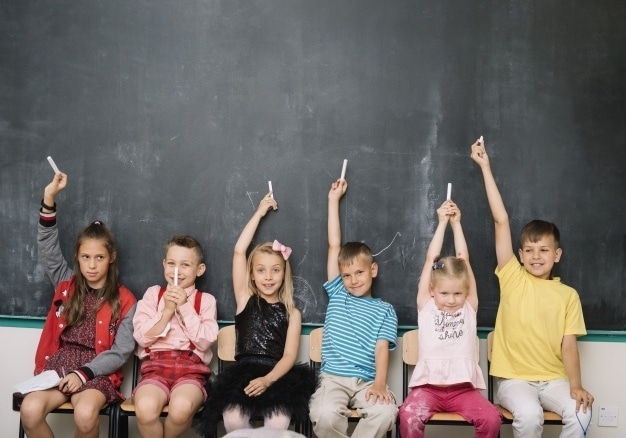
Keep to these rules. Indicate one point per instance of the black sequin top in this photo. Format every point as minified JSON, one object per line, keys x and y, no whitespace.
{"x":261,"y":330}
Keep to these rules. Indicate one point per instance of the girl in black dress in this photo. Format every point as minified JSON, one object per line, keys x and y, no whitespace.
{"x":263,"y":380}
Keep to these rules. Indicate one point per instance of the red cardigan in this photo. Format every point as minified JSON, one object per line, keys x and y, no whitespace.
{"x":55,"y":324}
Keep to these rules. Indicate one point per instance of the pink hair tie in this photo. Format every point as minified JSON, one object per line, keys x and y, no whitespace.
{"x":284,"y":250}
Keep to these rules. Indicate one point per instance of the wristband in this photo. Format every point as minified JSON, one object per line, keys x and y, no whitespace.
{"x":47,"y":207}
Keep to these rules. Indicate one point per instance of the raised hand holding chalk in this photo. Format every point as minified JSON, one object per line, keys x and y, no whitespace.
{"x":479,"y":153}
{"x":268,"y":202}
{"x":53,"y":164}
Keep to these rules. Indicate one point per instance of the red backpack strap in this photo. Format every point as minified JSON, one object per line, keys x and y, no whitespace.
{"x":161,"y":292}
{"x":196,"y":305}
{"x":198,"y":301}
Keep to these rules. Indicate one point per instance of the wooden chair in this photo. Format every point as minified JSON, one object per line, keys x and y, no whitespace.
{"x":315,"y":360}
{"x":549,"y":418}
{"x":67,"y":408}
{"x":410,"y":357}
{"x":226,"y":348}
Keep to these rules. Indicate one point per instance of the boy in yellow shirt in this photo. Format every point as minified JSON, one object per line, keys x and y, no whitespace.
{"x":535,"y":354}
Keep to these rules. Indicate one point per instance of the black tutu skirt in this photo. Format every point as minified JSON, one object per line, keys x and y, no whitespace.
{"x":289,"y":395}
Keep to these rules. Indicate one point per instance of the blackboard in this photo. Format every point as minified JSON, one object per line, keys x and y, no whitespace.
{"x":171,"y":116}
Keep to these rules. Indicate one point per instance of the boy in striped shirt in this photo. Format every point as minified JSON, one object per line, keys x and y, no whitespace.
{"x":359,"y":332}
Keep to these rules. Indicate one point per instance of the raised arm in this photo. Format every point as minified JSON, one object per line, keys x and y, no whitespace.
{"x":462,"y":252}
{"x":337,"y":190}
{"x":49,"y":248}
{"x":504,"y":244}
{"x":434,"y":250}
{"x":240,"y":274}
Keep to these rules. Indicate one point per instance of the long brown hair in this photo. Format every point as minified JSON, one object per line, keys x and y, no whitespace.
{"x":74,"y":311}
{"x":285,"y":293}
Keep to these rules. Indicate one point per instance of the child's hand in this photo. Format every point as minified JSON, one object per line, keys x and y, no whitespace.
{"x":374,"y":395}
{"x":58,"y":183}
{"x":582,"y":398}
{"x":266,"y":203}
{"x":70,"y":383}
{"x":256,"y":387}
{"x":479,"y":154}
{"x":443,"y":212}
{"x":175,"y":296}
{"x":454,"y":213}
{"x":337,"y":189}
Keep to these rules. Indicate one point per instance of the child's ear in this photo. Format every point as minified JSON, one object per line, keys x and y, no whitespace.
{"x":559,"y":253}
{"x":113,"y":257}
{"x":430,"y":289}
{"x":201,"y":269}
{"x":374,"y":269}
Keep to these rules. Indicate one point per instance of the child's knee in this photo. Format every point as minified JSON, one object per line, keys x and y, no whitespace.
{"x":278,"y":421}
{"x":86,"y":417}
{"x":383,"y":411}
{"x":147,"y":409}
{"x":31,"y":412}
{"x":410,"y":414}
{"x":327,"y":419}
{"x":490,"y":422}
{"x":235,"y":420}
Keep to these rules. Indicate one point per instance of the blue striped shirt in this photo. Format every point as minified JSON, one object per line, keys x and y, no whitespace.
{"x":352,"y":327}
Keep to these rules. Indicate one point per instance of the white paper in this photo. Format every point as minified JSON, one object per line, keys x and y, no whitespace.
{"x":47,"y":379}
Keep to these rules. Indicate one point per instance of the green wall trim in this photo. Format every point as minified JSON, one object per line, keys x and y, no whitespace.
{"x":591,"y":336}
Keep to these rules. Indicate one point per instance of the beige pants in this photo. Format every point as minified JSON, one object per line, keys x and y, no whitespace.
{"x":331,"y":403}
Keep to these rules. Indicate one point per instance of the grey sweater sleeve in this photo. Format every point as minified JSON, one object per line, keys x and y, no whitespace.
{"x":50,"y":254}
{"x":111,"y":360}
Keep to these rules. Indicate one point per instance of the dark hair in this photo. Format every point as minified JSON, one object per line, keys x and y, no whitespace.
{"x":450,"y":267}
{"x":534,"y":230}
{"x":352,"y":250}
{"x":75,"y":306}
{"x":186,"y":242}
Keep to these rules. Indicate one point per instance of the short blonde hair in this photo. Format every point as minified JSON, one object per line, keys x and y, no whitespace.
{"x":350,"y":251}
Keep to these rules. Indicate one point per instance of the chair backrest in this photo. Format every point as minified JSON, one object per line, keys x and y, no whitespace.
{"x":226,"y":340}
{"x":489,"y":345}
{"x":490,"y":377}
{"x":410,"y":355}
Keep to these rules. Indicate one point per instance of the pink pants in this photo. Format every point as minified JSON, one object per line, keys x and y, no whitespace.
{"x":424,"y":401}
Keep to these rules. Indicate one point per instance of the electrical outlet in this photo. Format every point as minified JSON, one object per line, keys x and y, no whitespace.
{"x":608,"y":416}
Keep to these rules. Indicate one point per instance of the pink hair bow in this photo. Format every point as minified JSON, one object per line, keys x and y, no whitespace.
{"x":284,"y":250}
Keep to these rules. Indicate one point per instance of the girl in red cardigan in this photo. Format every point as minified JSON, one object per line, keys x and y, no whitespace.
{"x":88,"y":333}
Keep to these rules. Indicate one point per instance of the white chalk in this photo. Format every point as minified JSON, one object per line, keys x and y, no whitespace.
{"x":176,"y":276}
{"x":53,"y":164}
{"x":269,"y":184}
{"x":343,"y":169}
{"x":449,"y":191}
{"x":481,"y":140}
